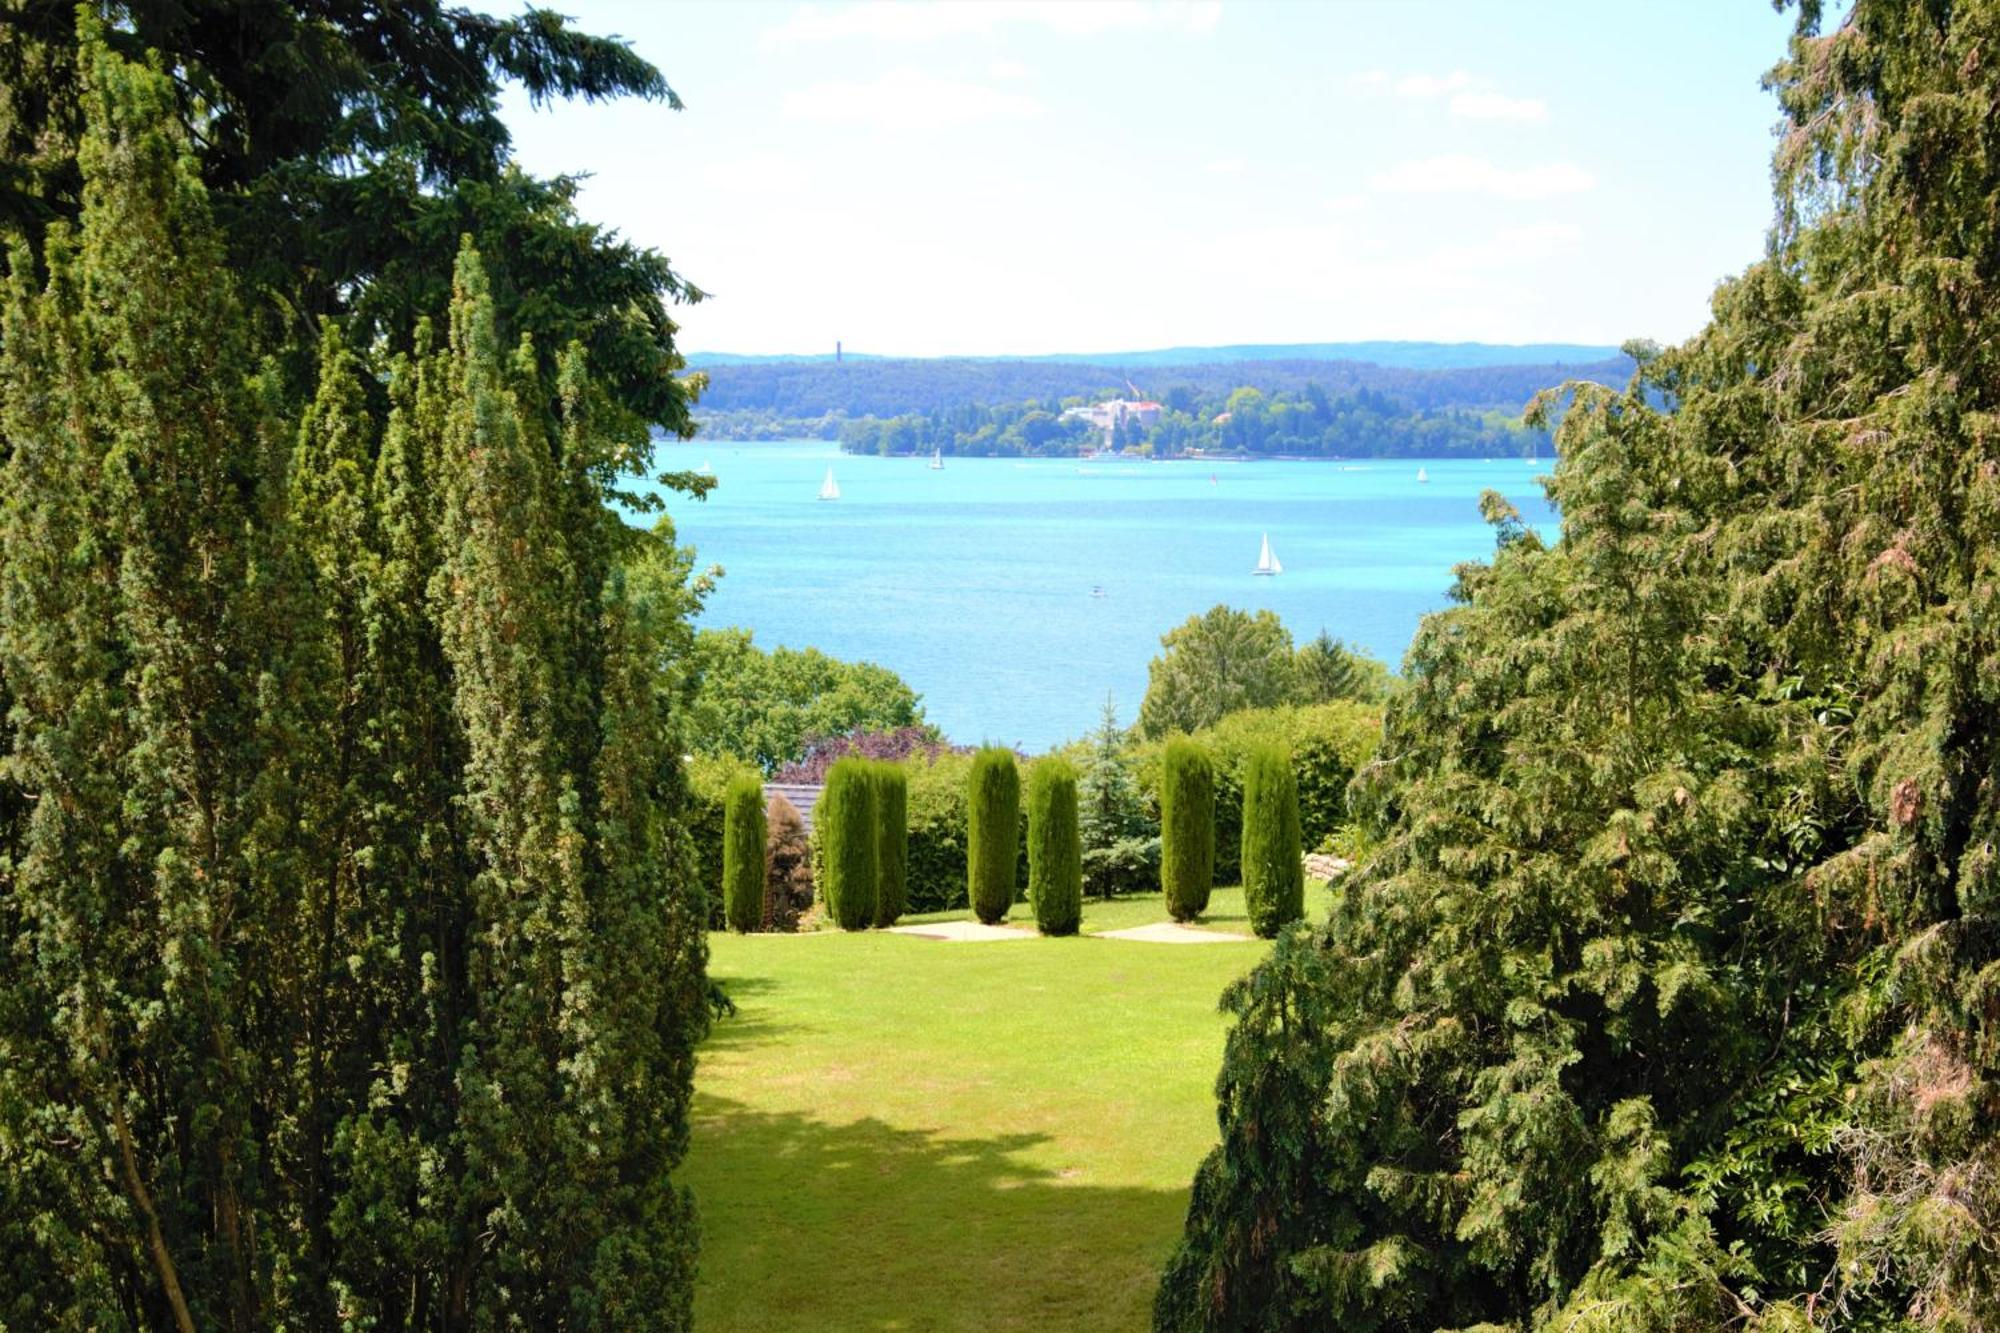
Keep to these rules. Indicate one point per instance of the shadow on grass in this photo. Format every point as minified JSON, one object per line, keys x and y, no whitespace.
{"x":755,"y":1021}
{"x":868,"y":1226}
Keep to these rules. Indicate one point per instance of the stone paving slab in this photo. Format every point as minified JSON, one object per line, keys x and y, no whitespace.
{"x":1172,"y":932}
{"x":963,"y":931}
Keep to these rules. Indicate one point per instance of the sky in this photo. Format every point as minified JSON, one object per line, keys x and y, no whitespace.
{"x":970,"y":177}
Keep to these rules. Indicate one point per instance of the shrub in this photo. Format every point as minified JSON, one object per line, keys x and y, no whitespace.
{"x":788,"y":876}
{"x":708,"y":780}
{"x":1129,"y":865}
{"x":1274,"y":884}
{"x":1187,"y":827}
{"x":892,"y":841}
{"x":992,"y":833}
{"x":823,"y":752}
{"x":1055,"y":850}
{"x":743,"y":853}
{"x":845,"y":827}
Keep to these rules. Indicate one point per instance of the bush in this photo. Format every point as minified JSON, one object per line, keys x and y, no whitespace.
{"x":1274,"y":884}
{"x":1328,"y":743}
{"x":992,"y":833}
{"x":1129,"y":865}
{"x":708,"y":780}
{"x":845,"y":828}
{"x":1187,"y":828}
{"x":1055,"y":853}
{"x":788,"y":875}
{"x":892,"y":842}
{"x":743,"y":853}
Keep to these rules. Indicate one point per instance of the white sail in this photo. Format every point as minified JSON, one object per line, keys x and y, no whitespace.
{"x":937,"y":460}
{"x":1267,"y":563}
{"x":1423,"y":475}
{"x":829,"y":489}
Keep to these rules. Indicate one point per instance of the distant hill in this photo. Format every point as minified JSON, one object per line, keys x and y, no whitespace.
{"x":804,"y":388}
{"x":1400,"y":355}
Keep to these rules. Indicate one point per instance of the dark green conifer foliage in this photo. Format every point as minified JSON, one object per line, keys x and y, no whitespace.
{"x":892,"y":844}
{"x":1187,"y":828}
{"x":993,"y":832}
{"x":356,"y":965}
{"x":1055,"y":847}
{"x":1667,"y":998}
{"x":743,"y":853}
{"x":1274,"y":878}
{"x":846,"y":825}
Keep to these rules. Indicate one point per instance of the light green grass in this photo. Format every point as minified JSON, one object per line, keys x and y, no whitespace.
{"x":901,"y":1133}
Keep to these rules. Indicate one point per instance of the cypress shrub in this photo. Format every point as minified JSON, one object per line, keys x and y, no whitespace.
{"x":992,"y":832}
{"x":844,"y":824}
{"x":743,"y":853}
{"x":1274,"y":883}
{"x":1187,"y":828}
{"x":892,"y":842}
{"x":1055,"y":848}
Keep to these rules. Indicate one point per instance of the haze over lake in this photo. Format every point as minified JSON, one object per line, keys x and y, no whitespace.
{"x":975,"y":583}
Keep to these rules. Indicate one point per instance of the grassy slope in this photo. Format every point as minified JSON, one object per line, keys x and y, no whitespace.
{"x":898,"y":1133}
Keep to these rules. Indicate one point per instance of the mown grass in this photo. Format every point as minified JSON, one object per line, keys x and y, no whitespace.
{"x":901,"y":1133}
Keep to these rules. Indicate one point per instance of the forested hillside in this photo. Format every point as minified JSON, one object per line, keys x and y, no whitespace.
{"x":1669,"y":994}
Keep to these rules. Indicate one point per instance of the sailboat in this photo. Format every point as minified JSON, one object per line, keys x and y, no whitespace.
{"x":937,"y":460}
{"x":829,"y":489}
{"x":1423,"y":475}
{"x":1266,"y":562}
{"x":707,"y":469}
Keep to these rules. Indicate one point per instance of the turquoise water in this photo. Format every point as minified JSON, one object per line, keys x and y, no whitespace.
{"x":975,"y":583}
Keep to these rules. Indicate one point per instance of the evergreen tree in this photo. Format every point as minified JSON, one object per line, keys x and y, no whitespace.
{"x":1274,"y":883}
{"x":743,"y":853}
{"x":1187,"y":828}
{"x":992,"y":833}
{"x":892,"y":842}
{"x":1055,"y":852}
{"x":845,"y":824}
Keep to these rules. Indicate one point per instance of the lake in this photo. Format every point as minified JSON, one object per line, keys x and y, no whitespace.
{"x":1013,"y":594}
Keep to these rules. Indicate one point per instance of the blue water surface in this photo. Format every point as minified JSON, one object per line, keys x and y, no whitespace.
{"x":975,"y":583}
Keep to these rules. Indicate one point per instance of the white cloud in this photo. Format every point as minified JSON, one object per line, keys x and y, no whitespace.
{"x":1007,"y":69}
{"x":1465,"y":95}
{"x":1224,"y":166}
{"x":1478,"y":105}
{"x":909,"y":99}
{"x":886,"y":20}
{"x":1509,"y":246}
{"x":1460,"y":173}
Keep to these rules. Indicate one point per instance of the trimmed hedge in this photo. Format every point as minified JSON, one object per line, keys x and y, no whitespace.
{"x":1328,"y":743}
{"x":938,"y":817}
{"x":1055,"y":847}
{"x":844,"y":825}
{"x":1187,"y":828}
{"x":1274,"y":877}
{"x":743,"y":853}
{"x":708,"y":780}
{"x":992,"y":833}
{"x":892,"y":841}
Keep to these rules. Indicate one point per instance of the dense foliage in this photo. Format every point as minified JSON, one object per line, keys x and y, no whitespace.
{"x":1273,"y":866}
{"x":992,"y":832}
{"x":743,"y":851}
{"x":772,"y":708}
{"x":892,"y":841}
{"x":788,"y":882}
{"x":1668,"y":999}
{"x":1187,"y":827}
{"x":823,"y":752}
{"x":1121,"y":851}
{"x":1055,"y":849}
{"x":354,"y":956}
{"x":823,"y":393}
{"x":938,"y":874}
{"x":1225,"y":660}
{"x":844,"y":823}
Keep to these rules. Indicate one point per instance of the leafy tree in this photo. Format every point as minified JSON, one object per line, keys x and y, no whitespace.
{"x":892,"y":841}
{"x":845,"y":824}
{"x":1326,"y":669}
{"x":1215,"y":664}
{"x":768,"y":708}
{"x":1055,"y":852}
{"x":788,"y":886}
{"x":1187,"y":828}
{"x":992,"y":834}
{"x":743,"y":849}
{"x":1665,"y":998}
{"x":356,"y":952}
{"x":1273,"y":866}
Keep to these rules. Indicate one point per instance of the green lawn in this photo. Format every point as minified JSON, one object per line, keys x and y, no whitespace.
{"x":900,"y":1133}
